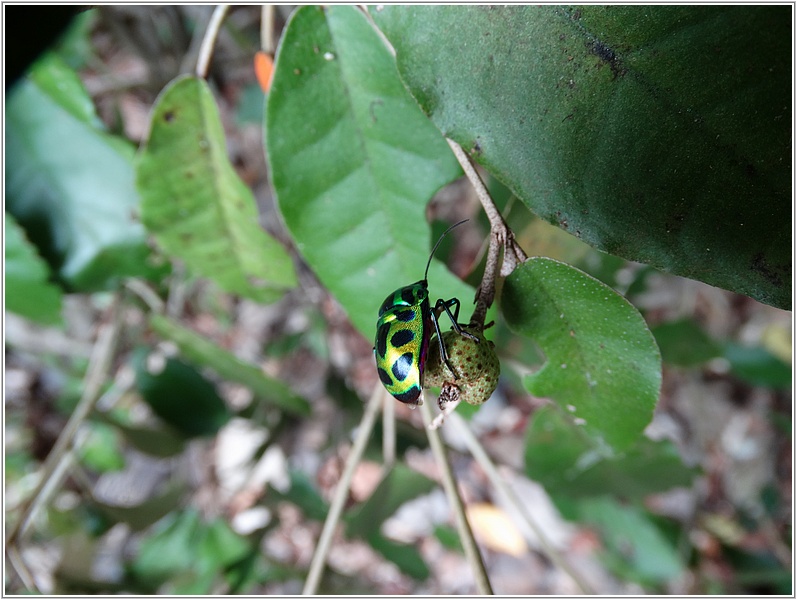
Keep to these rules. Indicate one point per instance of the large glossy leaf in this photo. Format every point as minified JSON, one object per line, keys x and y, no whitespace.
{"x":661,"y":134}
{"x":602,"y":363}
{"x":27,"y":291}
{"x":205,"y":353}
{"x":69,"y":183}
{"x":571,"y":466}
{"x":196,"y":205}
{"x":354,"y":162}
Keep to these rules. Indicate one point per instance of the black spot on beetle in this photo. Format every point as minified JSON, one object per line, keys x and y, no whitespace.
{"x":410,"y":396}
{"x":407,"y":295}
{"x":381,"y":339}
{"x":168,"y":116}
{"x":384,"y":377}
{"x":402,"y":337}
{"x":406,"y":315}
{"x":402,"y":367}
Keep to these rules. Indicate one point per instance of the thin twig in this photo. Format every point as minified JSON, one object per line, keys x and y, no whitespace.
{"x":513,"y":253}
{"x":342,"y":491}
{"x":388,"y":432}
{"x":501,"y":236}
{"x":267,"y":29}
{"x":477,"y":450}
{"x":209,"y":40}
{"x":145,"y":293}
{"x":21,"y":569}
{"x":472,"y":553}
{"x":53,"y":470}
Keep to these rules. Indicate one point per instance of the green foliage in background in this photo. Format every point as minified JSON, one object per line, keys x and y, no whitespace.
{"x":653,"y":134}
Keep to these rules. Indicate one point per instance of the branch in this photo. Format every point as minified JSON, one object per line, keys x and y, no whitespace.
{"x":483,"y":586}
{"x":210,"y":40}
{"x":480,"y":454}
{"x":501,"y":236}
{"x":54,"y":467}
{"x":342,"y":491}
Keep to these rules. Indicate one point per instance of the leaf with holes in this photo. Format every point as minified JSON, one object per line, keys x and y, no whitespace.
{"x":603,"y":365}
{"x":354,"y":162}
{"x":195,"y":204}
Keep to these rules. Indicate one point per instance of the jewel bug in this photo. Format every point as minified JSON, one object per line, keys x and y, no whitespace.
{"x":403,"y":330}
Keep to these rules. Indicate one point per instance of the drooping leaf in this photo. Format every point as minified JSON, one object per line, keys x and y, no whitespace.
{"x":203,"y":352}
{"x":195,"y":204}
{"x":570,"y":465}
{"x":27,"y":291}
{"x":69,"y":183}
{"x":354,"y":162}
{"x":602,"y":364}
{"x":659,"y":134}
{"x":183,"y":398}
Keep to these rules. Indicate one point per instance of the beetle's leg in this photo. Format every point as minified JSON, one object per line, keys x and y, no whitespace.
{"x":443,"y":352}
{"x":445,"y":305}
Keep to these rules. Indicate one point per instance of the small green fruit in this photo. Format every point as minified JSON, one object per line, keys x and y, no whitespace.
{"x":476,"y":366}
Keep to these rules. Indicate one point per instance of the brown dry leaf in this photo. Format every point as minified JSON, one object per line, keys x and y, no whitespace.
{"x":495,"y":530}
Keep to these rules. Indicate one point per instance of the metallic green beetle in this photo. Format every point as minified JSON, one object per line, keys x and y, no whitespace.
{"x":403,"y":331}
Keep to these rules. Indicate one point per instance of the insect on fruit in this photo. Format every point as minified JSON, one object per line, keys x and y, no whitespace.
{"x":403,"y":331}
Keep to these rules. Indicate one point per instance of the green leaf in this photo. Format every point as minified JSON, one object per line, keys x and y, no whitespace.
{"x":28,"y":292}
{"x":398,"y":486}
{"x":101,"y":450}
{"x":169,"y":550}
{"x":155,"y":441}
{"x":602,"y":364}
{"x":304,"y":495}
{"x":571,"y":466}
{"x":69,"y":183}
{"x":188,"y":552}
{"x":222,"y":546}
{"x":404,"y":556}
{"x":354,"y":162}
{"x":635,"y":547}
{"x":757,"y":366}
{"x":195,"y":204}
{"x":683,"y":343}
{"x":182,"y":398}
{"x":659,"y":134}
{"x":203,"y":352}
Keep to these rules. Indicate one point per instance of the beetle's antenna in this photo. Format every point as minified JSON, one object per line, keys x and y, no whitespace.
{"x":440,"y":239}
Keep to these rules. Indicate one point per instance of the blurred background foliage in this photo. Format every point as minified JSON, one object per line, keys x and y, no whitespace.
{"x":207,"y":463}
